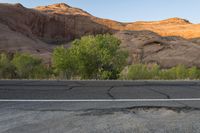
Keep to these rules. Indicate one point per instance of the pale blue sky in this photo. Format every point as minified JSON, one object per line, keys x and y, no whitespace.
{"x":129,"y":10}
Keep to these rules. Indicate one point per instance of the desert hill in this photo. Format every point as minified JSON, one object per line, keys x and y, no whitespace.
{"x":167,"y":42}
{"x":62,"y":9}
{"x":169,"y":27}
{"x":30,"y":30}
{"x":149,"y":47}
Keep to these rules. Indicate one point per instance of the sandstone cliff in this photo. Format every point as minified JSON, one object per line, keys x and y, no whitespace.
{"x":168,"y":42}
{"x":149,"y":47}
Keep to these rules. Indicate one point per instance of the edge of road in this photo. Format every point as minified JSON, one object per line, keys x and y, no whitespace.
{"x":99,"y":83}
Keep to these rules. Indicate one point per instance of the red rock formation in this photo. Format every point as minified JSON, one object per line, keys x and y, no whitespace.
{"x":149,"y":47}
{"x":49,"y":26}
{"x":36,"y":30}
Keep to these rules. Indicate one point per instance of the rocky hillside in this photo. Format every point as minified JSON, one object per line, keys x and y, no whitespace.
{"x":168,"y":27}
{"x":167,"y":42}
{"x":149,"y":47}
{"x":37,"y":32}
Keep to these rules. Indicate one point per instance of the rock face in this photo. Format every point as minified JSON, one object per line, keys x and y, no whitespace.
{"x":49,"y":26}
{"x":169,"y":27}
{"x":62,"y":9}
{"x":33,"y":31}
{"x":149,"y":47}
{"x":12,"y":41}
{"x":167,"y":42}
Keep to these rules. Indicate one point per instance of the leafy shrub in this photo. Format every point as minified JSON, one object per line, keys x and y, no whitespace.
{"x":138,"y":71}
{"x":64,"y":62}
{"x":7,"y":70}
{"x":181,"y":72}
{"x":193,"y":73}
{"x":142,"y":71}
{"x":154,"y":71}
{"x":167,"y":74}
{"x":91,"y":57}
{"x":28,"y":66}
{"x":178,"y":72}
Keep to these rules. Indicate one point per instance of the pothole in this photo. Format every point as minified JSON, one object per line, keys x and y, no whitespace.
{"x":141,"y":110}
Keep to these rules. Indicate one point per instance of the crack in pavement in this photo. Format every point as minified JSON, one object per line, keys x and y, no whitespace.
{"x":115,"y":109}
{"x":70,"y":88}
{"x":164,"y":94}
{"x":109,"y":92}
{"x":185,"y":105}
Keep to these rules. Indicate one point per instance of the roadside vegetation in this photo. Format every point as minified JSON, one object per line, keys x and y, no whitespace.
{"x":22,"y":66}
{"x":91,"y":57}
{"x":143,"y":71}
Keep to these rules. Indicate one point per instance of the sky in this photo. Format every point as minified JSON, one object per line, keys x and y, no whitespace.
{"x":128,"y":10}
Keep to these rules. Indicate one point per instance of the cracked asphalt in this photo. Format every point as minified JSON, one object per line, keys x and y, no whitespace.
{"x":99,"y":116}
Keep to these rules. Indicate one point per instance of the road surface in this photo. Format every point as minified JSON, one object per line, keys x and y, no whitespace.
{"x":99,"y":106}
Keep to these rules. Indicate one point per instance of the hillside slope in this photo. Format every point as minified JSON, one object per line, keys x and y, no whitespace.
{"x":149,"y":47}
{"x":168,"y":42}
{"x":168,"y":27}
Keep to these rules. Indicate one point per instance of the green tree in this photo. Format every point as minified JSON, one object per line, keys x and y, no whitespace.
{"x":92,"y":57}
{"x":64,"y":62}
{"x":7,"y":70}
{"x":28,"y":66}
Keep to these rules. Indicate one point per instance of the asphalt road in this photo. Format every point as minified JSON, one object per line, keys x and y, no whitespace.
{"x":99,"y":106}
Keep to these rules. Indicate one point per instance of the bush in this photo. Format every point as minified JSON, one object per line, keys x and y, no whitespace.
{"x":167,"y":74}
{"x":7,"y":70}
{"x":154,"y":71}
{"x":178,"y":72}
{"x":64,"y":62}
{"x":28,"y":66}
{"x":91,"y":57}
{"x":87,"y":61}
{"x":181,"y":72}
{"x":142,"y":71}
{"x":193,"y":73}
{"x":138,"y":71}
